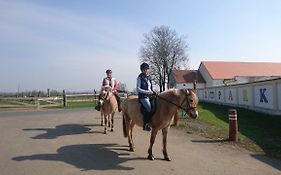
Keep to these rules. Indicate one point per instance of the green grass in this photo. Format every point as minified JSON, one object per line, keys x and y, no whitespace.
{"x":83,"y":104}
{"x":257,"y":132}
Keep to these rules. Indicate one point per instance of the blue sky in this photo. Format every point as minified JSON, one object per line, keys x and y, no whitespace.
{"x":65,"y":44}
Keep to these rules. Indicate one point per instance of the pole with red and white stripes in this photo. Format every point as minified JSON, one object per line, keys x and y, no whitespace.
{"x":233,"y":125}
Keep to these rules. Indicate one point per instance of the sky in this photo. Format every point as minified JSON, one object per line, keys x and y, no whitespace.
{"x":68,"y":44}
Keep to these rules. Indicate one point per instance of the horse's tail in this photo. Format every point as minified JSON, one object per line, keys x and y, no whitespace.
{"x":124,"y":126}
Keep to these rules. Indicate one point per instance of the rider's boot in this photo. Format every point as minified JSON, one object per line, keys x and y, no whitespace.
{"x":146,"y":126}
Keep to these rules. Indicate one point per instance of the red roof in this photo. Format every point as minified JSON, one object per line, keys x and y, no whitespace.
{"x":229,"y":70}
{"x":187,"y":76}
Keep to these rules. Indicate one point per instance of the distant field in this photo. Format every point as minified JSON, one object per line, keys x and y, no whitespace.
{"x":257,"y":132}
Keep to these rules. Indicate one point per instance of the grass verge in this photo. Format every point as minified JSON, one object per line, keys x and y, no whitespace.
{"x":257,"y":132}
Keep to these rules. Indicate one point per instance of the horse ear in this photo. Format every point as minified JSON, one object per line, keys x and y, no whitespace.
{"x":107,"y":88}
{"x":187,"y":91}
{"x":194,"y":84}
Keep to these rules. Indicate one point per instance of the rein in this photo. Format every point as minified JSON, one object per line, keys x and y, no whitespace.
{"x":179,"y":106}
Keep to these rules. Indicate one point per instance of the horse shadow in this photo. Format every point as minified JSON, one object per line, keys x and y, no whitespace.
{"x":61,"y":130}
{"x":86,"y":157}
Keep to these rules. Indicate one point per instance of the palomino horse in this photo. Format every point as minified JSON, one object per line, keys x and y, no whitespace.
{"x":167,"y":104}
{"x":108,"y":108}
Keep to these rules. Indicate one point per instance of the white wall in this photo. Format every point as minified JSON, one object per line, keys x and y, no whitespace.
{"x":279,"y":95}
{"x":259,"y":96}
{"x":205,"y":74}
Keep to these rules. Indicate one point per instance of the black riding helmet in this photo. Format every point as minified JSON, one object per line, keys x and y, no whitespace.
{"x":144,"y":66}
{"x":108,"y":71}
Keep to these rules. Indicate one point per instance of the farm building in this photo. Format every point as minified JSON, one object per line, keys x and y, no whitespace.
{"x":184,"y":79}
{"x":221,"y":73}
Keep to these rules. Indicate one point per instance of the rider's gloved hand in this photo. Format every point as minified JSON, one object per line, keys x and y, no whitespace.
{"x":154,"y":92}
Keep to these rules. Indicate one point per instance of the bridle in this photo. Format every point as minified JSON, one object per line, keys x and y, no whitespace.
{"x":104,"y":98}
{"x":187,"y":109}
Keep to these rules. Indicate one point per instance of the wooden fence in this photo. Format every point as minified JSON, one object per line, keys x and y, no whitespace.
{"x":7,"y":103}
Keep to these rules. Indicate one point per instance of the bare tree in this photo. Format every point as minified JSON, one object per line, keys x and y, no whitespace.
{"x":164,"y":51}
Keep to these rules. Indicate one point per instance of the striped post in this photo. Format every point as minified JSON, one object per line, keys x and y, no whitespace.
{"x":233,"y":125}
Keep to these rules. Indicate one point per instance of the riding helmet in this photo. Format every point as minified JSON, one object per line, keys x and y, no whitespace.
{"x":144,"y":66}
{"x":108,"y":71}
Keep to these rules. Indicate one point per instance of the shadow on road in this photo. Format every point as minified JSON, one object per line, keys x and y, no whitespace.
{"x":86,"y":157}
{"x":61,"y":130}
{"x":272,"y":162}
{"x":210,"y":141}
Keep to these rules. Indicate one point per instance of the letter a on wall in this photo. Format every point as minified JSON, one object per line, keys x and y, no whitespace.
{"x":245,"y":95}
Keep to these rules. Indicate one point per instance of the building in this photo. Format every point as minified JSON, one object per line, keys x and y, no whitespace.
{"x":184,"y":79}
{"x":221,"y":73}
{"x":251,"y":85}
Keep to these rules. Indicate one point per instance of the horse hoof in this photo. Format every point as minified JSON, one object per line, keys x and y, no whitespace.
{"x":112,"y":130}
{"x":167,"y":159}
{"x":132,"y":149}
{"x":104,"y":132}
{"x":150,"y":157}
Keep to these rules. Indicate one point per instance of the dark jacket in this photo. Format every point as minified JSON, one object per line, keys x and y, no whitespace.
{"x":144,"y":85}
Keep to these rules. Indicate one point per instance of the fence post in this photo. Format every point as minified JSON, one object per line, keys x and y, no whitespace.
{"x":37,"y":102}
{"x":64,"y":98}
{"x":233,"y":125}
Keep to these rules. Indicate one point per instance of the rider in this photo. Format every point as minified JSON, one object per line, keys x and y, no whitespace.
{"x":112,"y":82}
{"x":145,"y":90}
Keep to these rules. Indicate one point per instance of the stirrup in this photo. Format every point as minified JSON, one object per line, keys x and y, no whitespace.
{"x":146,"y":127}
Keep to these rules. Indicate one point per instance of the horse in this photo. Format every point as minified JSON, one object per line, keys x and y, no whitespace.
{"x":167,"y":104}
{"x":108,"y":108}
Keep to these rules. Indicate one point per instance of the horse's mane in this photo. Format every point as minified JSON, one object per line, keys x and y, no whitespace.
{"x":168,"y":93}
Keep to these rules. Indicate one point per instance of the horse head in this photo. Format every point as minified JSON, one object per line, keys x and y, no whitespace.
{"x":191,"y":102}
{"x":104,"y":94}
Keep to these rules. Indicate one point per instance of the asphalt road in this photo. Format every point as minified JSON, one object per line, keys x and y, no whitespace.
{"x":57,"y":142}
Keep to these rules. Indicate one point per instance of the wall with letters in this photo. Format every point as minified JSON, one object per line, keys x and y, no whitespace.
{"x":262,"y":96}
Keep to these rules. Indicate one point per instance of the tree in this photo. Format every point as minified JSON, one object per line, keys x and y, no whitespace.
{"x":164,"y":51}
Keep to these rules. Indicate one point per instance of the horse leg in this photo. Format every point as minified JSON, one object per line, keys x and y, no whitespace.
{"x":105,"y":124}
{"x":176,"y":119}
{"x":108,"y":120}
{"x":112,"y":121}
{"x":152,"y":139}
{"x":130,"y":136}
{"x":165,"y":134}
{"x":102,"y":117}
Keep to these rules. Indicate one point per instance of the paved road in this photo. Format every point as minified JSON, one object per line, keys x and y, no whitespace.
{"x":71,"y":142}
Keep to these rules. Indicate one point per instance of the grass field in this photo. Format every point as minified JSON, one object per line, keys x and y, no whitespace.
{"x":257,"y":132}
